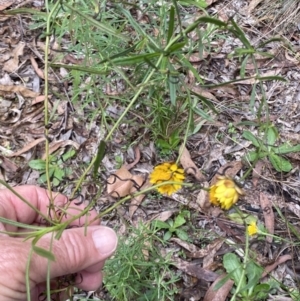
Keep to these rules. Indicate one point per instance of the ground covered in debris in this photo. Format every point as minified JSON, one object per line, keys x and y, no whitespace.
{"x":94,"y":96}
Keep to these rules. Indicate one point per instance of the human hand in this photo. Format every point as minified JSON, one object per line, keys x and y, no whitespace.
{"x":74,"y":252}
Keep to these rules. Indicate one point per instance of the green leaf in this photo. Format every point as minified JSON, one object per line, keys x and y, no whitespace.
{"x":59,"y":173}
{"x":253,"y":273}
{"x":38,"y":164}
{"x":279,"y":163}
{"x":261,"y":291}
{"x":99,"y":157}
{"x":172,"y":87}
{"x":234,"y":267}
{"x":249,"y":136}
{"x":171,"y":23}
{"x":286,"y":148}
{"x":68,"y":155}
{"x":160,"y":225}
{"x":181,"y":234}
{"x":179,"y":221}
{"x":167,"y":235}
{"x":272,"y":135}
{"x":44,"y":253}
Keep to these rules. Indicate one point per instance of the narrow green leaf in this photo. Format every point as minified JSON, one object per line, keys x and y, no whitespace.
{"x":171,"y":23}
{"x":172,"y":88}
{"x":235,"y":29}
{"x":44,"y":253}
{"x":100,"y":25}
{"x":99,"y":157}
{"x":252,"y":98}
{"x":274,"y":77}
{"x":175,"y":46}
{"x":279,"y":163}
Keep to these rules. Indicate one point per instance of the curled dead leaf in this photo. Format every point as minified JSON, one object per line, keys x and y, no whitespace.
{"x":188,"y":164}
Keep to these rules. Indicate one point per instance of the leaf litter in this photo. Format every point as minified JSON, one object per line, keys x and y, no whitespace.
{"x":210,"y":152}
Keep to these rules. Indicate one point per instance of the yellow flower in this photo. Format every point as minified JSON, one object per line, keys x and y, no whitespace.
{"x":224,"y":193}
{"x":167,"y":172}
{"x":252,"y":229}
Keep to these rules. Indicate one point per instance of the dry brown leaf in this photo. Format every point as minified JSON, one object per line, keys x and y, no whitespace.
{"x":252,"y":5}
{"x":194,"y":270}
{"x":257,"y":172}
{"x":136,"y":201}
{"x":27,"y":147}
{"x":8,"y":165}
{"x":163,"y":216}
{"x":13,"y":64}
{"x":204,"y":93}
{"x":266,"y":206}
{"x":203,"y":197}
{"x":188,"y":164}
{"x":231,"y":169}
{"x":36,"y":68}
{"x":273,"y":266}
{"x":58,"y":144}
{"x":212,"y":249}
{"x":220,"y":294}
{"x":19,"y":89}
{"x":120,"y":183}
{"x":6,"y":3}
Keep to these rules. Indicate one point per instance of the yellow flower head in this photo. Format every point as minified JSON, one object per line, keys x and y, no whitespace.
{"x":167,"y":172}
{"x":224,"y":193}
{"x":252,"y":229}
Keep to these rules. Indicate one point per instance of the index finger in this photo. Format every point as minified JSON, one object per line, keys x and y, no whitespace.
{"x":13,"y":208}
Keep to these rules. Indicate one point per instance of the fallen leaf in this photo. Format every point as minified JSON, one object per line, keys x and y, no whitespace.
{"x":136,"y":201}
{"x":257,"y":170}
{"x":18,"y":89}
{"x":27,"y":147}
{"x":188,"y":164}
{"x":266,"y":206}
{"x":212,"y":249}
{"x":58,"y":144}
{"x":220,"y":294}
{"x":36,"y":68}
{"x":120,"y":183}
{"x":194,"y":269}
{"x":229,"y":170}
{"x":163,"y":216}
{"x":6,"y":3}
{"x":12,"y":64}
{"x":279,"y":261}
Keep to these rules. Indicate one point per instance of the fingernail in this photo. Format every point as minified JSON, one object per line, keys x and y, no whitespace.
{"x":105,"y":240}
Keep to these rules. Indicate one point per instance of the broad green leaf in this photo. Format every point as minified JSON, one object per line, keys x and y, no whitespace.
{"x":234,"y":267}
{"x":68,"y":155}
{"x":38,"y":164}
{"x":179,"y":221}
{"x":253,"y":273}
{"x":261,"y":291}
{"x":272,"y":135}
{"x":249,"y":136}
{"x":286,"y":148}
{"x":279,"y":163}
{"x":59,"y":173}
{"x":181,"y":234}
{"x":160,"y":225}
{"x":99,"y":157}
{"x":167,"y":235}
{"x":44,"y":253}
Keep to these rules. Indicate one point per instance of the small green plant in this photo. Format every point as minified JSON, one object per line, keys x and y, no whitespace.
{"x":138,"y":271}
{"x":270,"y":150}
{"x":174,"y":226}
{"x":57,"y":171}
{"x":246,"y":278}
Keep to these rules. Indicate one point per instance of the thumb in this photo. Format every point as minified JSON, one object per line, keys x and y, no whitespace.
{"x":78,"y":249}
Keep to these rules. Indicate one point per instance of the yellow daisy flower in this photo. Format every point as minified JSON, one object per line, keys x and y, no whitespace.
{"x":252,"y":228}
{"x":167,"y":172}
{"x":224,"y":193}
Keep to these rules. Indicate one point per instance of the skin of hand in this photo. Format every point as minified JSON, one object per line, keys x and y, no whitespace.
{"x":77,"y":251}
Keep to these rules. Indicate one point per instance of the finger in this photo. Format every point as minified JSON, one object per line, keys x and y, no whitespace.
{"x":13,"y":208}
